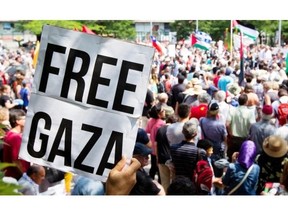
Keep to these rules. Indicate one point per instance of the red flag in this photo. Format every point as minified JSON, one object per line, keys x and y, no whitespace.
{"x":156,"y":45}
{"x":87,"y":30}
{"x":234,"y":23}
{"x":193,"y":39}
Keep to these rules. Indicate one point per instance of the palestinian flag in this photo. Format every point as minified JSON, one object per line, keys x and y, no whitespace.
{"x":252,"y":33}
{"x":201,"y":40}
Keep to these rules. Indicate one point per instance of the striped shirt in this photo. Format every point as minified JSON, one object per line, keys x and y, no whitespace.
{"x":184,"y":157}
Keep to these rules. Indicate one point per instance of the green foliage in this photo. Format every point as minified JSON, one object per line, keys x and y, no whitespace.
{"x":7,"y":188}
{"x":215,"y":28}
{"x":119,"y":29}
{"x":35,"y":26}
{"x":183,"y":28}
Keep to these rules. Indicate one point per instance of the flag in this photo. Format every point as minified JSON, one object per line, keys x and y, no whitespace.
{"x":227,"y":42}
{"x":201,"y":40}
{"x":241,"y":74}
{"x":245,"y":30}
{"x":87,"y":30}
{"x":245,"y":40}
{"x":157,"y":45}
{"x":35,"y":54}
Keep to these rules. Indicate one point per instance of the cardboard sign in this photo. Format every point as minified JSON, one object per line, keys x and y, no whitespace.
{"x":88,"y":93}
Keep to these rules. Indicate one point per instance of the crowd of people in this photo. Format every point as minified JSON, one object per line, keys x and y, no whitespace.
{"x":203,"y":131}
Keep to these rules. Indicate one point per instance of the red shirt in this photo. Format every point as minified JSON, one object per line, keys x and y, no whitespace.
{"x":198,"y":111}
{"x":11,"y":150}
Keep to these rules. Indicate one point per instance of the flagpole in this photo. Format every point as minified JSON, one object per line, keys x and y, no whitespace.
{"x":279,"y":32}
{"x":151,"y":29}
{"x":241,"y":75}
{"x":231,"y":38}
{"x":196,"y":25}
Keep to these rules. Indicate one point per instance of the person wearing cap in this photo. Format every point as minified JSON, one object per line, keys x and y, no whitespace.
{"x":263,"y":128}
{"x":186,"y":154}
{"x":217,"y":135}
{"x":145,"y":185}
{"x":271,"y":160}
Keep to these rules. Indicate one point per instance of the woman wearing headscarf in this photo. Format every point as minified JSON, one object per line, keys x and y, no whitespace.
{"x":241,"y":176}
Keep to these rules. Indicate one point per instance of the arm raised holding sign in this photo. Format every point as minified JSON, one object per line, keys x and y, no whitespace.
{"x":121,"y":180}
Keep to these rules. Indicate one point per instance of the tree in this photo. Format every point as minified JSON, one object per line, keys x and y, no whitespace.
{"x":215,"y":28}
{"x":183,"y":28}
{"x":120,"y":29}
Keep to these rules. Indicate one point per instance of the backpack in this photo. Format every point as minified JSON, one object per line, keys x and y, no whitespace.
{"x":282,"y":113}
{"x":202,"y":177}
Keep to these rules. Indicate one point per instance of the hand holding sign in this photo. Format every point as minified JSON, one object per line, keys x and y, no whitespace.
{"x":122,"y":179}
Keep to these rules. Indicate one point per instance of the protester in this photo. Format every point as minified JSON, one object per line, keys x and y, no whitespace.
{"x":30,"y":181}
{"x":12,"y":140}
{"x":181,"y":185}
{"x":271,"y":161}
{"x":186,"y":154}
{"x":145,"y":185}
{"x":241,"y":177}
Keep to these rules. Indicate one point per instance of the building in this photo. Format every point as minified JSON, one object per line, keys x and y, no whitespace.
{"x":11,"y":38}
{"x":160,"y":29}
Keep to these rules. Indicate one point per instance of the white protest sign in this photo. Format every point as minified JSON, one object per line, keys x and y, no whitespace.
{"x":88,"y":93}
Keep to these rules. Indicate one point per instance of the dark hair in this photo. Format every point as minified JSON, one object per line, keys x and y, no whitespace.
{"x":172,"y":118}
{"x":204,"y":144}
{"x":183,"y":110}
{"x":243,"y":98}
{"x":181,"y":185}
{"x":196,"y":75}
{"x":282,"y":92}
{"x":181,"y":78}
{"x":14,"y":115}
{"x":155,"y":110}
{"x":33,"y":169}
